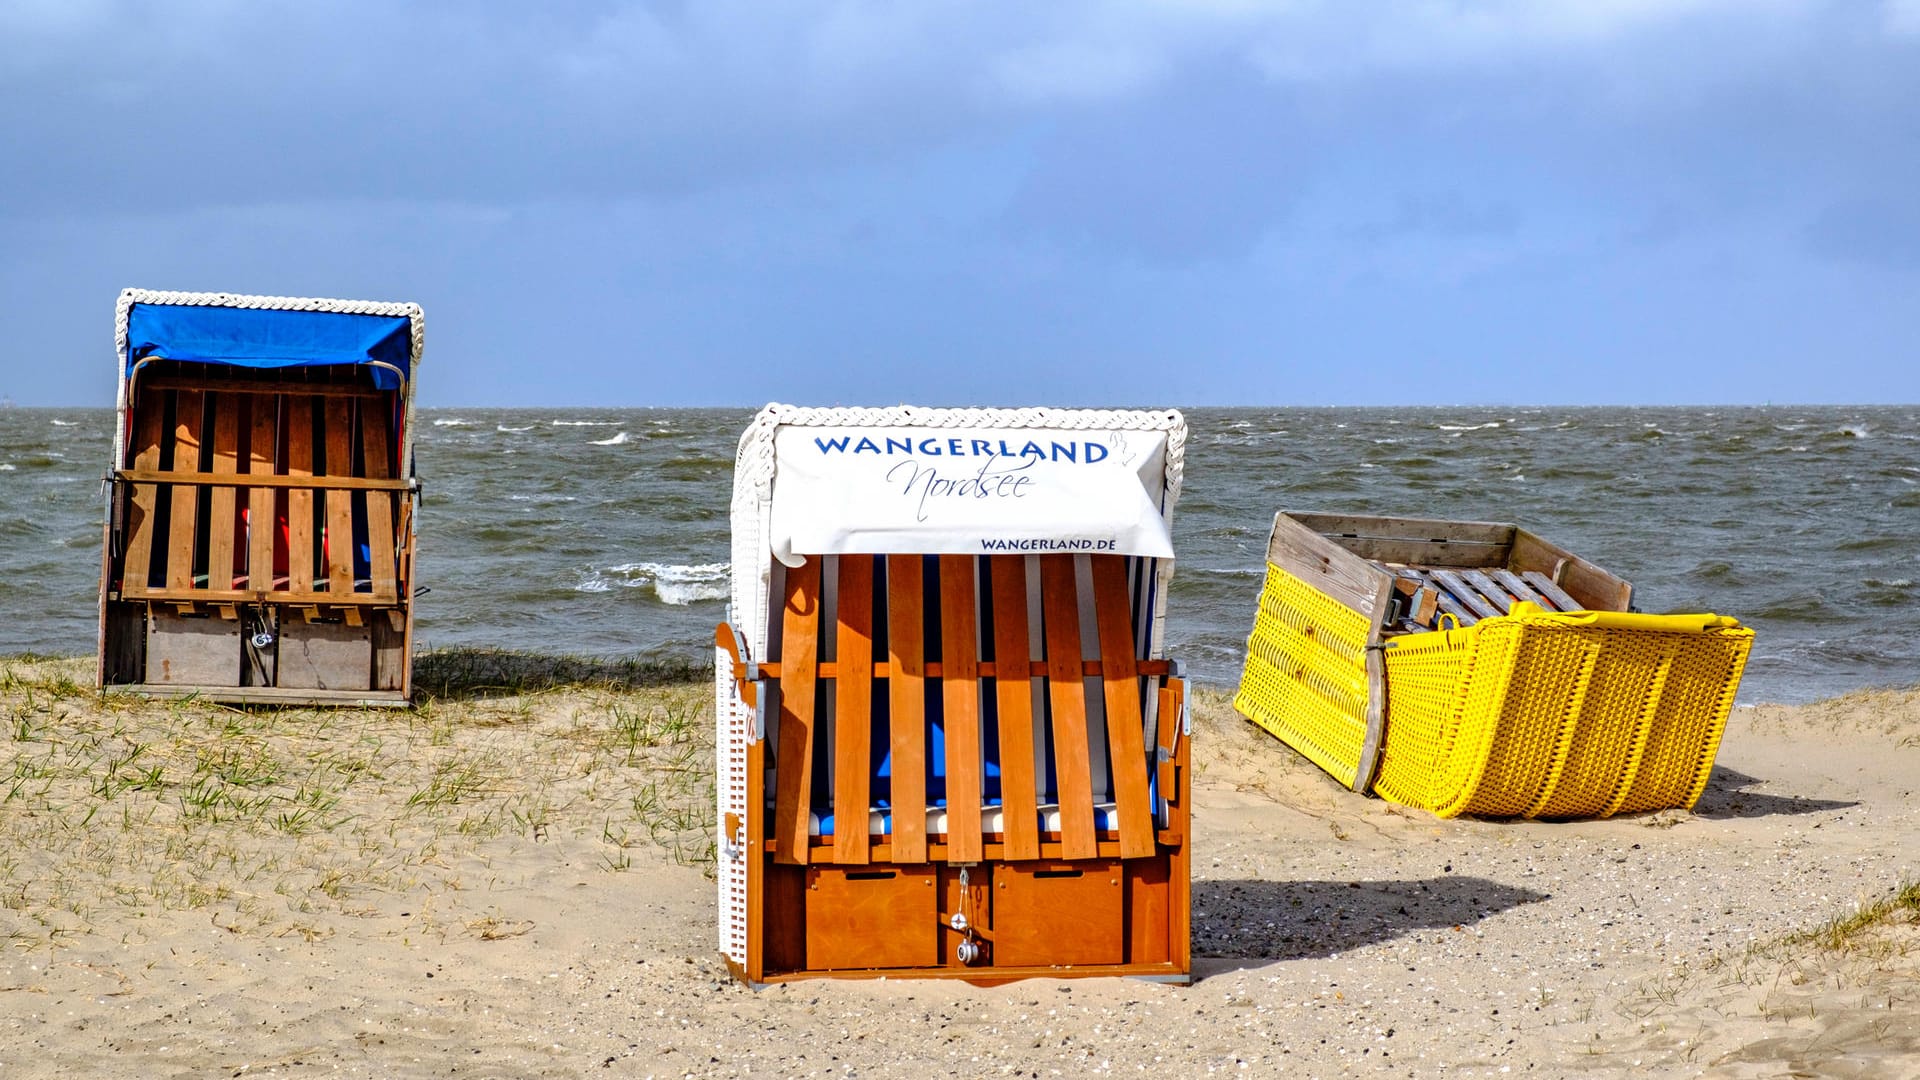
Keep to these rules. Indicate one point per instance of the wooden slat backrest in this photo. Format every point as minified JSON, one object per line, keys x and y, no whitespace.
{"x":1067,"y":696}
{"x":298,"y":430}
{"x":382,"y":541}
{"x":338,"y":413}
{"x":847,"y":586}
{"x":1126,"y":734}
{"x":187,"y":416}
{"x":1013,"y":693}
{"x":229,"y":450}
{"x":221,"y":518}
{"x":261,"y":517}
{"x":960,"y":698}
{"x":853,"y":708}
{"x":148,"y":426}
{"x":907,"y":705}
{"x":793,"y":758}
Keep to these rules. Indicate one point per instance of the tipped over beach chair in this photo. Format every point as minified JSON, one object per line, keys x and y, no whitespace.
{"x":259,"y":533}
{"x":1470,"y":667}
{"x":949,"y":744}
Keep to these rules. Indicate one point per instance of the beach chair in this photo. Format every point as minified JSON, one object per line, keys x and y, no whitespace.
{"x":1470,"y":667}
{"x":949,"y":745}
{"x":259,"y":528}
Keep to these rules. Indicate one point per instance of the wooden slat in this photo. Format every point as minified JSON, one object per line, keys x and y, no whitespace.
{"x":1514,"y":584}
{"x":1490,"y":589}
{"x":853,"y":710}
{"x":1548,"y":589}
{"x":1067,"y":695}
{"x":339,"y":504}
{"x":261,"y":525}
{"x":299,"y":424}
{"x":148,"y":425}
{"x":1126,"y":735}
{"x":1464,"y":593}
{"x":1591,"y":587}
{"x":990,"y":850}
{"x":1329,"y":568}
{"x":984,"y":669}
{"x":793,"y":759}
{"x":756,"y":857}
{"x":381,"y":541}
{"x":187,"y":416}
{"x":250,"y":480}
{"x":275,"y":386}
{"x":907,"y":705}
{"x":311,"y":597}
{"x":221,"y":518}
{"x":1439,"y":530}
{"x":960,"y":699}
{"x":1167,"y":745}
{"x":1013,"y":692}
{"x":1443,"y":599}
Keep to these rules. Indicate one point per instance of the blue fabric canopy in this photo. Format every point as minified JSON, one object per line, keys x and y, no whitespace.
{"x":268,"y":338}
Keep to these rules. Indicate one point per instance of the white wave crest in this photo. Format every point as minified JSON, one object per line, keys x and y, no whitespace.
{"x":675,"y":584}
{"x":7,"y":466}
{"x":617,"y":440}
{"x":584,"y":423}
{"x":452,"y":421}
{"x":1468,"y":427}
{"x":66,"y":423}
{"x":505,"y":430}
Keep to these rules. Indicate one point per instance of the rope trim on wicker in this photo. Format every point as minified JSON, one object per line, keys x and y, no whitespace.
{"x":397,"y":309}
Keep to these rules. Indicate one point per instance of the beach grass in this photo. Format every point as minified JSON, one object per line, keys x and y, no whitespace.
{"x":115,"y":809}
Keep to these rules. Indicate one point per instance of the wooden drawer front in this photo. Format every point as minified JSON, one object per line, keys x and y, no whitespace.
{"x":325,"y":655}
{"x":1059,"y":913}
{"x":872,"y":917}
{"x":185,"y":650}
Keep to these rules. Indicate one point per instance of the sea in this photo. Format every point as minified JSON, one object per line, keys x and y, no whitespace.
{"x":604,"y":532}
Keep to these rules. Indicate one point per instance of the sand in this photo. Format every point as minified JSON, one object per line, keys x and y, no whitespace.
{"x":514,"y":887}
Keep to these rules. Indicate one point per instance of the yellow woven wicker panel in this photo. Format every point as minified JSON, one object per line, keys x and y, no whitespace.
{"x":1554,"y":720}
{"x":1423,"y":713}
{"x":1305,"y":679}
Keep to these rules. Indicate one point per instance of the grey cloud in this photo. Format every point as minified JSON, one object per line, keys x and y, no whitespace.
{"x":1873,"y":233}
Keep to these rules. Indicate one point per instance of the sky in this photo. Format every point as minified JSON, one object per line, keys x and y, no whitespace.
{"x":1152,"y":202}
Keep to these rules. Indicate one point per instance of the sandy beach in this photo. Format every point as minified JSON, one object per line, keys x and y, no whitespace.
{"x":516,"y":886}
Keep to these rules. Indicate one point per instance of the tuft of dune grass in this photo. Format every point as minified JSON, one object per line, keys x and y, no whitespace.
{"x":115,"y":809}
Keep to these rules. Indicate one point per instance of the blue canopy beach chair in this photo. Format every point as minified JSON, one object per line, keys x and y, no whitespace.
{"x":259,"y":532}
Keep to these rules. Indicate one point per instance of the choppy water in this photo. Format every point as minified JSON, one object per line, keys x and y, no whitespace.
{"x":605,"y":531}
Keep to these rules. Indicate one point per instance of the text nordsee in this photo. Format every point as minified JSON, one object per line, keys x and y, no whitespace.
{"x":1080,"y":453}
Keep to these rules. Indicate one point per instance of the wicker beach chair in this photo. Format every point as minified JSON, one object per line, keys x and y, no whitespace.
{"x":259,"y":533}
{"x":949,"y":745}
{"x":1475,"y":668}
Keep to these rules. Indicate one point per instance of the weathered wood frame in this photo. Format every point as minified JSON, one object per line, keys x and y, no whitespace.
{"x":211,"y":450}
{"x":1346,"y":557}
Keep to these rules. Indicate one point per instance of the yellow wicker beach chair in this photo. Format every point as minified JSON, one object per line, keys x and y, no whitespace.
{"x":1474,"y":668}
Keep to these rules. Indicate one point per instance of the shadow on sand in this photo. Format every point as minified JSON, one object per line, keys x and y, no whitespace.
{"x":462,"y":673}
{"x":1268,"y":921}
{"x":1726,"y":797}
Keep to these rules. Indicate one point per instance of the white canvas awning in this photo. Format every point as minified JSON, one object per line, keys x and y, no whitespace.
{"x":968,"y":490}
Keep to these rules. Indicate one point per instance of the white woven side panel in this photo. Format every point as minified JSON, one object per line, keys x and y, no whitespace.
{"x":733,"y":723}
